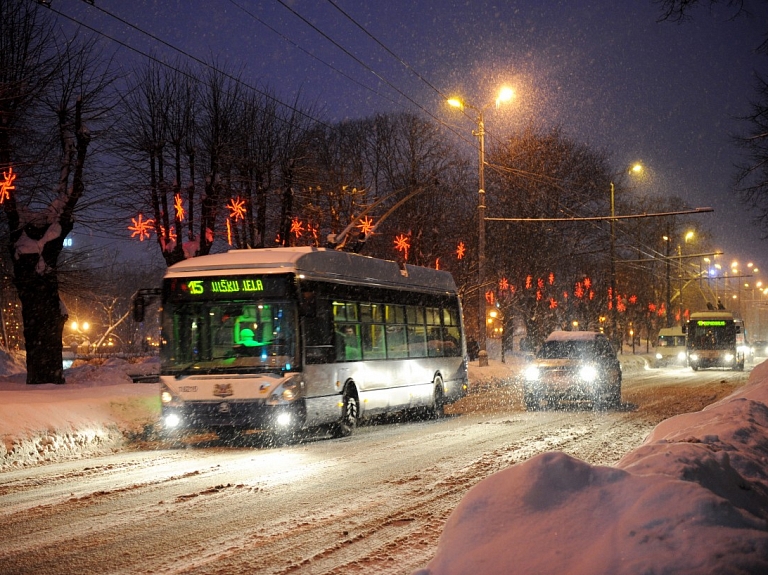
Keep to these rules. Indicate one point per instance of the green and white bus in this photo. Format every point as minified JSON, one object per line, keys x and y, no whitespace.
{"x":285,"y":339}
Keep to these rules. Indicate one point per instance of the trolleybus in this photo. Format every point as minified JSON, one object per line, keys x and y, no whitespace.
{"x":715,"y":339}
{"x":283,"y":339}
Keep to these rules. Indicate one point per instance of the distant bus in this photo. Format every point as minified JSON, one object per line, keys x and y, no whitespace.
{"x":284,"y":339}
{"x":715,"y":339}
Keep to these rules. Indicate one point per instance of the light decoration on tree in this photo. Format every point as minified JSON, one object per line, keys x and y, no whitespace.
{"x":610,"y":298}
{"x":402,"y":245}
{"x":297,"y":227}
{"x":366,"y":226}
{"x":503,"y":284}
{"x":461,"y":250}
{"x":236,"y":208}
{"x":178,"y":205}
{"x":540,"y":283}
{"x":171,"y":233}
{"x":314,"y":230}
{"x":587,"y":283}
{"x":489,"y":297}
{"x":579,"y":291}
{"x":141,"y":227}
{"x":633,"y":299}
{"x":229,"y":231}
{"x":651,"y":307}
{"x":552,"y":303}
{"x":437,"y":263}
{"x":551,"y":278}
{"x":7,"y":185}
{"x":528,"y":282}
{"x":662,"y":310}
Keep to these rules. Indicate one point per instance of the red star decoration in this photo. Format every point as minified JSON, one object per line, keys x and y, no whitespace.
{"x":236,"y":208}
{"x":7,"y":185}
{"x":179,"y":207}
{"x":141,"y":227}
{"x":402,"y":244}
{"x":366,"y":226}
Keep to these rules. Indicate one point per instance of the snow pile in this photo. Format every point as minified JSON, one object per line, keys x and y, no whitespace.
{"x":692,"y":499}
{"x":94,"y":413}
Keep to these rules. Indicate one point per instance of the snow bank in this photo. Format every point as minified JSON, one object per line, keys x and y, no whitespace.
{"x":692,"y":499}
{"x":94,"y":413}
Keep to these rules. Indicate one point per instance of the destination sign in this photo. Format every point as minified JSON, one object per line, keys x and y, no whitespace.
{"x":227,"y":287}
{"x":710,"y":322}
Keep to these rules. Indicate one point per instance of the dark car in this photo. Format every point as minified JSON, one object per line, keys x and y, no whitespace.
{"x":574,"y":366}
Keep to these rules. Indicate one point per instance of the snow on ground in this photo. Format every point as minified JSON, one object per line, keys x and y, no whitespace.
{"x":692,"y":499}
{"x":94,"y":413}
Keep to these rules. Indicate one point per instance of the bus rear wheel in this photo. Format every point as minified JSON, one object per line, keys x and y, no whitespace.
{"x":350,"y":412}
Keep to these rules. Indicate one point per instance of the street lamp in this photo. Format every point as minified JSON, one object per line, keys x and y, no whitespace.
{"x":505,"y":95}
{"x":635,"y":169}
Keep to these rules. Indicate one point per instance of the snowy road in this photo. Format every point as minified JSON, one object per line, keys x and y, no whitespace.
{"x":371,"y":503}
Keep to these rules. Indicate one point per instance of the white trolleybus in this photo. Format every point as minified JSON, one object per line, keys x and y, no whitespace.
{"x":715,"y":339}
{"x":289,"y":338}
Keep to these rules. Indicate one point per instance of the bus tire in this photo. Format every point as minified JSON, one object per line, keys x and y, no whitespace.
{"x":438,"y":399}
{"x":350,"y":412}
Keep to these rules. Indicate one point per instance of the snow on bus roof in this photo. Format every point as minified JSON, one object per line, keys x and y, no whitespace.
{"x":315,"y":263}
{"x":574,"y":335}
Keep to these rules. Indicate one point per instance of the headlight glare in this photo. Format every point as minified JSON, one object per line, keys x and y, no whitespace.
{"x":588,"y":373}
{"x":531,"y":373}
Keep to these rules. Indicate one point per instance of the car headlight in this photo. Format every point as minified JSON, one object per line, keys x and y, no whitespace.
{"x":531,"y":373}
{"x":658,"y":356}
{"x":694,"y":357}
{"x":588,"y":373}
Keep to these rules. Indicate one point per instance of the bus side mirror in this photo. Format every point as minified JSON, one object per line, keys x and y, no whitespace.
{"x":308,"y":304}
{"x":139,"y":305}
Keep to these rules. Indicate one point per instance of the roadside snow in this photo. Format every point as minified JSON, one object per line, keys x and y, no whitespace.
{"x":692,"y":499}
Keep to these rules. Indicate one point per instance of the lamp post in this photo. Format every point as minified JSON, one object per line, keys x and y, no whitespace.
{"x":636,"y":169}
{"x":505,"y":94}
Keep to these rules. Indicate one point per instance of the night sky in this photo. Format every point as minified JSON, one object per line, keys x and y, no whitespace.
{"x":608,"y":72}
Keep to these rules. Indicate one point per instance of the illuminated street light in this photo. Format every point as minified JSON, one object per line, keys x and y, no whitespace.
{"x":505,"y":95}
{"x":637,"y":170}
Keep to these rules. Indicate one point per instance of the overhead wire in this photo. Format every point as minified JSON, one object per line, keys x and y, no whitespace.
{"x":176,"y":49}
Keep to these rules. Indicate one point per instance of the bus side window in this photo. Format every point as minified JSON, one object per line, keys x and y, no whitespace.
{"x":347,"y":343}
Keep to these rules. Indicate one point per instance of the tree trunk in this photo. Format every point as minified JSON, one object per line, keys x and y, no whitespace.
{"x":43,"y":320}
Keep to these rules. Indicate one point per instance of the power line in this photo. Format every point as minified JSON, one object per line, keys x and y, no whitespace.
{"x":180,"y":51}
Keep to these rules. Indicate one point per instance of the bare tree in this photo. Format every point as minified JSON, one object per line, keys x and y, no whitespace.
{"x":61,"y":86}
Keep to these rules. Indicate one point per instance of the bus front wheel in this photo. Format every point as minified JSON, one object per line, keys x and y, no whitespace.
{"x":438,"y":401}
{"x":350,"y":412}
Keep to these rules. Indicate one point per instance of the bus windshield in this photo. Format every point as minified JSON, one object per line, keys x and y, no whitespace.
{"x":228,"y":336}
{"x":712,"y":335}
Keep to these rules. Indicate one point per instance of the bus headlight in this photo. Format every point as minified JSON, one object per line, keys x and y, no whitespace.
{"x":284,"y":419}
{"x":172,"y":420}
{"x":166,"y":397}
{"x":531,"y":373}
{"x":588,"y":373}
{"x":288,"y":391}
{"x":658,"y":356}
{"x":681,"y":356}
{"x":729,"y":357}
